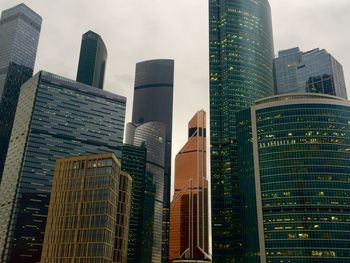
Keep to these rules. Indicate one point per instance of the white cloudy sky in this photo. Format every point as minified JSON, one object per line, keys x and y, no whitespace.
{"x":136,"y":30}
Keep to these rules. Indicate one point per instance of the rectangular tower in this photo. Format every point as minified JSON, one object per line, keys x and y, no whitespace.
{"x":314,"y":71}
{"x":55,"y":117}
{"x":19,"y":36}
{"x":89,"y":211}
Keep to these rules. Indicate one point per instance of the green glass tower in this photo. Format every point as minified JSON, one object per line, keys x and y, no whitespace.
{"x":241,"y":55}
{"x":294,"y":166}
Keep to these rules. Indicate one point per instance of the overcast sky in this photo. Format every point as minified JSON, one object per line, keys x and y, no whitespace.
{"x":137,"y":30}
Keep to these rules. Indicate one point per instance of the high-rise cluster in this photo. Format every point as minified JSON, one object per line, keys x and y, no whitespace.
{"x":279,"y":164}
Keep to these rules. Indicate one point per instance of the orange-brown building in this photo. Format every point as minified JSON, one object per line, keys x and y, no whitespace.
{"x":189,"y":230}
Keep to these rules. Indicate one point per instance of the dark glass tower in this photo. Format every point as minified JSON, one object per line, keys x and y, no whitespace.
{"x":314,"y":71}
{"x":153,"y":101}
{"x":92,"y":61}
{"x":19,"y":36}
{"x":152,"y":136}
{"x":55,"y":117}
{"x":133,"y":161}
{"x":294,"y":160}
{"x":241,"y":54}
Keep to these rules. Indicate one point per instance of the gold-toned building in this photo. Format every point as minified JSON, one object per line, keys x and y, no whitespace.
{"x":89,"y":211}
{"x":189,"y":230}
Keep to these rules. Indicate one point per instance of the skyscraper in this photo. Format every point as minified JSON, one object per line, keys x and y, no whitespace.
{"x":294,"y":160}
{"x":153,"y":101}
{"x":55,"y":117}
{"x":241,"y":54}
{"x":152,"y":136}
{"x":314,"y":71}
{"x":19,"y":36}
{"x":89,"y":211}
{"x":189,"y":217}
{"x":92,"y":61}
{"x":133,"y":161}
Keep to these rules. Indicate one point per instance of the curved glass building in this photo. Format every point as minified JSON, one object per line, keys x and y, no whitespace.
{"x":152,"y":136}
{"x":153,"y":101}
{"x":92,"y":60}
{"x":294,"y":159}
{"x":241,"y":58}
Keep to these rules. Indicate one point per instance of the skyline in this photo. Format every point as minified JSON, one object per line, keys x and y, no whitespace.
{"x":58,"y":50}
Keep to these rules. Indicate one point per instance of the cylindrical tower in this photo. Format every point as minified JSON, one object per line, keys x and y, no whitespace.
{"x":241,"y":58}
{"x":294,"y":159}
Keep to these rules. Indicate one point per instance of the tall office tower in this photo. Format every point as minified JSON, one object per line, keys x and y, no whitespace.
{"x":189,"y":217}
{"x":55,"y":117}
{"x":19,"y":36}
{"x":153,"y":101}
{"x":294,"y":157}
{"x":133,"y":161}
{"x":92,"y":61}
{"x":314,"y":71}
{"x":152,"y":136}
{"x":241,"y":71}
{"x":89,"y":211}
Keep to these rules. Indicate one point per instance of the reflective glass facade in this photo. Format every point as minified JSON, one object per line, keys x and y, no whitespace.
{"x":294,"y":156}
{"x":314,"y":71}
{"x":152,"y":136}
{"x":142,"y":204}
{"x":55,"y":117}
{"x":153,"y":101}
{"x":189,"y":215}
{"x":241,"y":71}
{"x":89,"y":211}
{"x":19,"y":36}
{"x":92,"y":61}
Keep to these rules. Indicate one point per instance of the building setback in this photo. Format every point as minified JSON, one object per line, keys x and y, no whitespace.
{"x":150,"y":135}
{"x":294,"y":163}
{"x":153,"y":101}
{"x":55,"y":117}
{"x":19,"y":37}
{"x":89,"y":211}
{"x":92,"y":60}
{"x":189,"y":215}
{"x":241,"y":71}
{"x":314,"y":71}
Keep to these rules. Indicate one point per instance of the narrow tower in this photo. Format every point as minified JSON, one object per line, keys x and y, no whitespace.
{"x":92,"y":61}
{"x":189,"y":231}
{"x":241,"y":55}
{"x":19,"y":37}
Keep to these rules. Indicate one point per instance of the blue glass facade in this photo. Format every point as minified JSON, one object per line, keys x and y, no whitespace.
{"x":19,"y":36}
{"x":294,"y":158}
{"x":55,"y":117}
{"x":314,"y":71}
{"x":241,"y":71}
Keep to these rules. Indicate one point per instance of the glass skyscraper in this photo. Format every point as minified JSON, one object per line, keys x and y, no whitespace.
{"x":241,"y":71}
{"x":314,"y":71}
{"x":133,"y":161}
{"x":19,"y":36}
{"x":89,"y":211}
{"x":153,"y":101}
{"x":152,"y":136}
{"x":189,"y":214}
{"x":55,"y":117}
{"x":294,"y":160}
{"x":92,"y":61}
